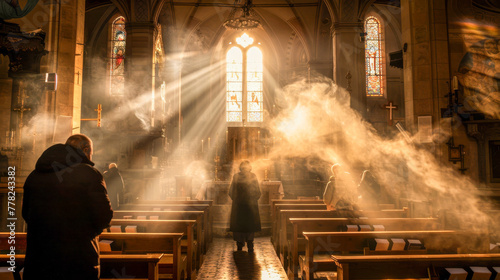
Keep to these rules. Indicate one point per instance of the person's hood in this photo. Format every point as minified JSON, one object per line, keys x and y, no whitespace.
{"x":61,"y":156}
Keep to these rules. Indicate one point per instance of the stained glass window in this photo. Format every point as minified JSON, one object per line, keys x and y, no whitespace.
{"x":234,"y":89}
{"x":117,"y":73}
{"x":373,"y":57}
{"x":255,"y":104}
{"x":244,"y":85}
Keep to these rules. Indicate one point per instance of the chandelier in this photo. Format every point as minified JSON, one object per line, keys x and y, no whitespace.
{"x":243,"y":22}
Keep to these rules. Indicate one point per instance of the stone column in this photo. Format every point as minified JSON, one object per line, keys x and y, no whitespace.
{"x":348,"y":56}
{"x":426,"y":65}
{"x":139,"y":73}
{"x":65,"y":57}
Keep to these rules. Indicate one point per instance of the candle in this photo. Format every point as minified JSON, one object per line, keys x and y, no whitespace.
{"x":208,"y":142}
{"x":258,"y":136}
{"x":12,"y":138}
{"x":455,"y":83}
{"x":202,"y":146}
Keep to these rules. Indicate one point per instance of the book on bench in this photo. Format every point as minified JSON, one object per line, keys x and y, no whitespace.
{"x":378,"y":244}
{"x":365,"y":228}
{"x":131,"y":229}
{"x":378,"y":228}
{"x":115,"y":229}
{"x":497,"y":271}
{"x":351,"y":228}
{"x":414,"y":244}
{"x":479,"y":273}
{"x":105,"y":245}
{"x":454,"y":274}
{"x":397,"y":244}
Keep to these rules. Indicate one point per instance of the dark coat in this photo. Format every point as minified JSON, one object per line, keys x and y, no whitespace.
{"x":115,"y":186}
{"x":245,"y":193}
{"x":66,"y":207}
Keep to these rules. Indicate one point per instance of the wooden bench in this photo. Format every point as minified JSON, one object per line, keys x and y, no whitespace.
{"x":285,"y":214}
{"x":200,"y":227}
{"x":139,"y":267}
{"x":171,"y":266}
{"x":210,"y":203}
{"x":276,"y":219}
{"x":320,"y":245}
{"x":294,"y":242}
{"x":206,"y":208}
{"x":407,"y":266}
{"x":274,"y":202}
{"x":169,"y":226}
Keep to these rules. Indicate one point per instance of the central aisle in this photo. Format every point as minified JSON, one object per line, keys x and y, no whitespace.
{"x":224,"y":262}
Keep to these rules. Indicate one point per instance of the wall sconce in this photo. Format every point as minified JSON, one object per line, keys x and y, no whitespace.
{"x":51,"y":81}
{"x":456,"y":154}
{"x":362,"y":36}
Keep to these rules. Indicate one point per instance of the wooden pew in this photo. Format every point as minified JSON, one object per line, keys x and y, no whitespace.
{"x":171,"y":266}
{"x":274,"y":202}
{"x":276,"y":219}
{"x":184,"y":202}
{"x":320,"y":245}
{"x":169,"y":226}
{"x":407,"y":266}
{"x":294,"y":242}
{"x":284,"y":214}
{"x":206,"y":208}
{"x":139,"y":267}
{"x":200,"y":227}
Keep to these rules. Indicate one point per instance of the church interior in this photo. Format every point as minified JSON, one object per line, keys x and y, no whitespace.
{"x":178,"y":93}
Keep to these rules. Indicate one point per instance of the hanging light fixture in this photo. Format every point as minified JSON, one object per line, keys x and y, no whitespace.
{"x":245,"y":21}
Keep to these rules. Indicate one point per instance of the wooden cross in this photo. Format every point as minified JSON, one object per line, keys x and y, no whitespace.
{"x":98,"y":119}
{"x":21,"y":111}
{"x":391,"y":107}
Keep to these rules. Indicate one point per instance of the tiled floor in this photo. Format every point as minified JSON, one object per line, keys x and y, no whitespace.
{"x":224,"y":262}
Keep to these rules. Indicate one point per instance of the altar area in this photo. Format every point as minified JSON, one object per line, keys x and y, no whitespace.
{"x":218,"y":192}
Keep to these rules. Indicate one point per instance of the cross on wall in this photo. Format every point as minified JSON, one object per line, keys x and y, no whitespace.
{"x":390,"y":106}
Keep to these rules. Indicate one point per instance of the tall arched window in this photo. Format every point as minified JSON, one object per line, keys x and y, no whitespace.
{"x":374,"y":57}
{"x":244,"y":82}
{"x":117,"y":57}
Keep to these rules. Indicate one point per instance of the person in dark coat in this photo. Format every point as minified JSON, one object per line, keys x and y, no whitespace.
{"x":369,"y":190}
{"x":66,"y":207}
{"x":245,"y":218}
{"x":115,"y":186}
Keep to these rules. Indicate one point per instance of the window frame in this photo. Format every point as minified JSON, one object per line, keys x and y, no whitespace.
{"x":382,"y":58}
{"x":244,"y":85}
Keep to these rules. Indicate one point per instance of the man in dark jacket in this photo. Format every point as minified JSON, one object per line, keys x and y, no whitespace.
{"x":114,"y":184}
{"x":245,"y":218}
{"x":66,"y":207}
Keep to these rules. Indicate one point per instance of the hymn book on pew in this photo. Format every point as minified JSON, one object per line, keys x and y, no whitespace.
{"x":378,"y":228}
{"x":497,"y":271}
{"x":398,"y":244}
{"x":414,"y":244}
{"x":379,"y":244}
{"x":479,"y":273}
{"x":454,"y":273}
{"x":365,"y":228}
{"x":115,"y":229}
{"x":105,"y":245}
{"x":131,"y":229}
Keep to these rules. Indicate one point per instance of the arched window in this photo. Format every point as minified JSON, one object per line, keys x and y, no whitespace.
{"x":117,"y":57}
{"x":374,"y":57}
{"x":244,"y":82}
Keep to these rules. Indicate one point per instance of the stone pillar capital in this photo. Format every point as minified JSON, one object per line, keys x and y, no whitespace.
{"x":346,"y":27}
